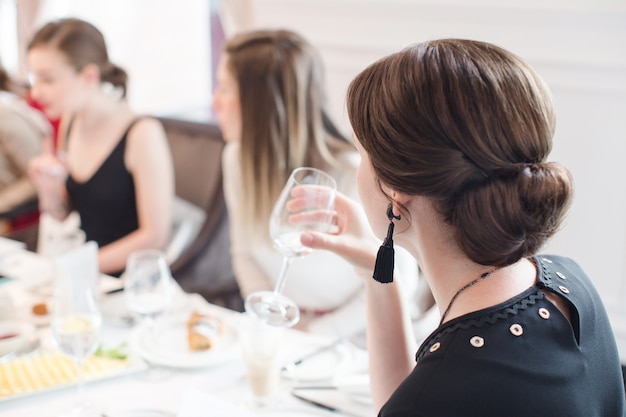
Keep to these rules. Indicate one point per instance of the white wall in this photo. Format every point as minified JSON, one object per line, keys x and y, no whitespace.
{"x":577,"y":46}
{"x":163,"y":45}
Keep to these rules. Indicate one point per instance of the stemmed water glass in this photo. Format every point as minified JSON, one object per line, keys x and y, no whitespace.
{"x":76,"y":329}
{"x":147,"y":285}
{"x":306,"y":203}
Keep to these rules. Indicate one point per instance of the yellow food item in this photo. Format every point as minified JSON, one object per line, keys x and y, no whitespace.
{"x":36,"y":372}
{"x":75,"y":324}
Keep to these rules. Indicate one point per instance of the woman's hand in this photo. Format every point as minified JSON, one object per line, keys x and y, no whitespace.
{"x":352,"y":239}
{"x":49,"y":173}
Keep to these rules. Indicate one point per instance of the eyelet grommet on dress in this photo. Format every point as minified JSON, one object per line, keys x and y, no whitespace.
{"x":563,"y":289}
{"x":561,"y":275}
{"x":516,"y":329}
{"x":434,"y":347}
{"x":477,"y":341}
{"x":544,"y":313}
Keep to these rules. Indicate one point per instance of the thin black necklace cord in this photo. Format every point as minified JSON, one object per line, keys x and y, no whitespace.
{"x":463,"y":288}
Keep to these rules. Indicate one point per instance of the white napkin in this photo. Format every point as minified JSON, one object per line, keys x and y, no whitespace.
{"x":57,"y":237}
{"x":196,"y":403}
{"x":7,"y":246}
{"x":79,"y":265}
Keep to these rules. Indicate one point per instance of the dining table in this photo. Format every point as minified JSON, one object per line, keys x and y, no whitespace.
{"x":141,"y":372}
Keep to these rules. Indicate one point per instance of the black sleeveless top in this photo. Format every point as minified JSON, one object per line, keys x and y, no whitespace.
{"x":106,"y":201}
{"x":520,"y":358}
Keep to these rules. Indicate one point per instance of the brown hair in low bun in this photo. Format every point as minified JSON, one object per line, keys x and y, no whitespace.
{"x":83,"y":44}
{"x":469,"y":125}
{"x":116,"y":76}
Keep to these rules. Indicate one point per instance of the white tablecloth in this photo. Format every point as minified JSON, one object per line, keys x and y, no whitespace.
{"x":169,"y":389}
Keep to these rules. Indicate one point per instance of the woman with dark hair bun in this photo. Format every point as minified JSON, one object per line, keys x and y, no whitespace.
{"x":111,"y":165}
{"x":454,"y":137}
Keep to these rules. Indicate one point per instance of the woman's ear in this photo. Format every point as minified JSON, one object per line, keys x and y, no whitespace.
{"x":399,"y":200}
{"x":91,"y":74}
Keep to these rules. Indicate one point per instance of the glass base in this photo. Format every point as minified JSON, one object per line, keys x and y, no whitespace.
{"x":273,"y":309}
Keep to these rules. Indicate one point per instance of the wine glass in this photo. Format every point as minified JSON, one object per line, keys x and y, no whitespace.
{"x":75,"y":327}
{"x":306,"y":203}
{"x":147,"y":285}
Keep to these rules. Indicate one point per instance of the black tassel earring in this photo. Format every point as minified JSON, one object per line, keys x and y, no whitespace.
{"x":383,"y":270}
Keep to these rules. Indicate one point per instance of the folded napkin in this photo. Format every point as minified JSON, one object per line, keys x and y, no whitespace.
{"x":335,"y":399}
{"x":79,"y":267}
{"x":198,"y":403}
{"x":8,"y":246}
{"x":348,"y":394}
{"x":57,"y":237}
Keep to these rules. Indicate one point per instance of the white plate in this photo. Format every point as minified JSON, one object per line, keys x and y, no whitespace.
{"x":30,"y":269}
{"x":21,"y":334}
{"x":141,"y":413}
{"x":169,"y":345}
{"x":30,"y":369}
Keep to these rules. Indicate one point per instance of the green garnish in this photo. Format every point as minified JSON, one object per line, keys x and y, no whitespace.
{"x":120,"y":352}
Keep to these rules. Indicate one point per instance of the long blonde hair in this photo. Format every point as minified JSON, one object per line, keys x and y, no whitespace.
{"x":285,"y":119}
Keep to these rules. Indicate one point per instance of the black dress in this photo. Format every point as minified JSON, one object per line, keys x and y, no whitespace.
{"x":106,"y":202}
{"x":520,"y":358}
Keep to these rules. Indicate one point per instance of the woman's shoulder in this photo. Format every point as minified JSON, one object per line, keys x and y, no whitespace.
{"x":145,"y":131}
{"x":146,"y":140}
{"x":350,"y":159}
{"x":345,"y":172}
{"x":145,"y":125}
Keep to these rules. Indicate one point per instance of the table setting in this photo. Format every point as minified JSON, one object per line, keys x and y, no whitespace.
{"x":156,"y":351}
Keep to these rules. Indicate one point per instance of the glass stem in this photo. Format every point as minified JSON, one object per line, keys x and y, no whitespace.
{"x":283,"y":273}
{"x":80,"y":382}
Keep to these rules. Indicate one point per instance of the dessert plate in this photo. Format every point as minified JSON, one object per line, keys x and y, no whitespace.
{"x":167,"y":344}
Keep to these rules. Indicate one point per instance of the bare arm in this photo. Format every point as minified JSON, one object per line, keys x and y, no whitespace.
{"x":389,"y":336}
{"x":149,"y":160}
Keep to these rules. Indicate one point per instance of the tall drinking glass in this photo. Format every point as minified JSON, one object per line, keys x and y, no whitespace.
{"x":306,"y":203}
{"x":75,"y":327}
{"x":148,"y":285}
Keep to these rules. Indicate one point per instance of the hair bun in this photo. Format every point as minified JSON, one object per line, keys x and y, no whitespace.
{"x":115,"y":75}
{"x":511,"y":216}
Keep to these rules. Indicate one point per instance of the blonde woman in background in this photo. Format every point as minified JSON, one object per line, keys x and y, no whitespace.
{"x":271,"y":107}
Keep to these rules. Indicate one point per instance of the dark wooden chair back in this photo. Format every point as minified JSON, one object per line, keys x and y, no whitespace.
{"x":204,"y":267}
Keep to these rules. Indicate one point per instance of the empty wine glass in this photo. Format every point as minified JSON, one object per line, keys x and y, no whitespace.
{"x":306,"y":203}
{"x":75,"y":327}
{"x":147,"y":285}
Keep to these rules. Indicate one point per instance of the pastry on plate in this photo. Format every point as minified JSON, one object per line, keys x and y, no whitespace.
{"x":202,"y":331}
